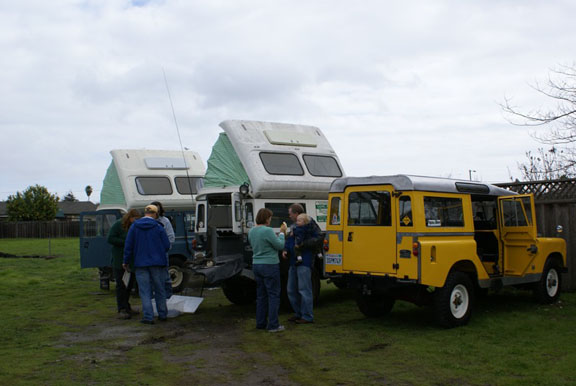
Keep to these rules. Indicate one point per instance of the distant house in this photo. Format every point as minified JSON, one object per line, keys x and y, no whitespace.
{"x":67,"y":210}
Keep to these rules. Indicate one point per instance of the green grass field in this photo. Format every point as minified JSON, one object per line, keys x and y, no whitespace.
{"x":58,"y":328}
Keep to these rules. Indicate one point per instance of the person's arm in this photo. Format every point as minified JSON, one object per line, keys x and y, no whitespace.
{"x":169,"y":231}
{"x":164,"y":237}
{"x":314,"y":238}
{"x":277,"y":242}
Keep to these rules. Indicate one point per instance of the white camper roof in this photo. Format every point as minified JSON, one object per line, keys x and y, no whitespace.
{"x":137,"y":177}
{"x":284,"y":160}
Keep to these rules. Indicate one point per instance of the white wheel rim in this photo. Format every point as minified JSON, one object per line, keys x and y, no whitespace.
{"x":552,"y":283}
{"x":176,"y":276}
{"x":459,"y":301}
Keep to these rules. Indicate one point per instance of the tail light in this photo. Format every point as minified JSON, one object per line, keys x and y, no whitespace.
{"x":415,"y":249}
{"x":326,"y":247}
{"x":194,"y":243}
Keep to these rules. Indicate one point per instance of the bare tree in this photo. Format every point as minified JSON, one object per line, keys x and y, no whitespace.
{"x":559,"y":118}
{"x":545,"y":165}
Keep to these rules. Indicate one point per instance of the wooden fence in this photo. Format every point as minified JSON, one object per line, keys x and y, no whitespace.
{"x":555,"y":205}
{"x":39,"y":229}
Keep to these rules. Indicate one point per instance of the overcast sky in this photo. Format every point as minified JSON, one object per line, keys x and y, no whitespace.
{"x":397,"y":87}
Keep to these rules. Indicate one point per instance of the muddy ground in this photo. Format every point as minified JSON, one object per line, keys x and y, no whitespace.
{"x":210,"y":340}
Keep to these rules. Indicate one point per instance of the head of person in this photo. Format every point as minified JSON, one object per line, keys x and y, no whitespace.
{"x":131,"y":216}
{"x":294,"y":210}
{"x":158,"y":205}
{"x":302,"y":219}
{"x":264,"y":216}
{"x":151,"y":211}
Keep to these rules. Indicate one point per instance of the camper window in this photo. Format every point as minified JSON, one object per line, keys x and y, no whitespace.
{"x":281,"y":164}
{"x":188,"y":185}
{"x":322,"y":166}
{"x":153,"y":186}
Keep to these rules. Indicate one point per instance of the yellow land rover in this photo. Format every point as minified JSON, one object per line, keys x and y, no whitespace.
{"x":435,"y":241}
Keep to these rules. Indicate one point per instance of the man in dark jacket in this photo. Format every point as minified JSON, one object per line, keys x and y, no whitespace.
{"x":299,"y":286}
{"x":147,"y":244}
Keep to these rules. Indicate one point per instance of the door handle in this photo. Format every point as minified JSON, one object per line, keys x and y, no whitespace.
{"x":350,"y":236}
{"x":532,"y":248}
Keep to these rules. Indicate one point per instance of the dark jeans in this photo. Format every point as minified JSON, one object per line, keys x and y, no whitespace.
{"x":123,"y":292}
{"x":267,"y":295}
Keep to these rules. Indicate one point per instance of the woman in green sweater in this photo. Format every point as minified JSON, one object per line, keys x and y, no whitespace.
{"x":266,"y":267}
{"x":117,"y":237}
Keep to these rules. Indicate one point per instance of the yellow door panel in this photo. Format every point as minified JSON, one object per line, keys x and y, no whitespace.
{"x":369,"y":232}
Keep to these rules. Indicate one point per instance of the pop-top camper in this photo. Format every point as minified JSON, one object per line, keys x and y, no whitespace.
{"x":133,"y":180}
{"x":256,"y":165}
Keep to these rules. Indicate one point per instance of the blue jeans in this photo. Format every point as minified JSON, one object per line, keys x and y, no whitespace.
{"x":267,"y":295}
{"x":300,"y":291}
{"x":151,"y":280}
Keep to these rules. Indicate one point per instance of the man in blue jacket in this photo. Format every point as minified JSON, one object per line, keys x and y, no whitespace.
{"x":146,"y":245}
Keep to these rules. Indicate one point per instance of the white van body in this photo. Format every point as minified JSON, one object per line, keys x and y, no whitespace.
{"x":262,"y":165}
{"x":137,"y":177}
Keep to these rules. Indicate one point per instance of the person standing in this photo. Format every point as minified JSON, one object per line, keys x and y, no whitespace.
{"x":165,"y":221}
{"x":299,"y":287}
{"x":147,"y":244}
{"x":117,"y":238}
{"x":266,"y":267}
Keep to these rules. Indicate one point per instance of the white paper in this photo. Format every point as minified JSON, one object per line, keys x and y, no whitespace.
{"x":126,"y":278}
{"x":178,"y":304}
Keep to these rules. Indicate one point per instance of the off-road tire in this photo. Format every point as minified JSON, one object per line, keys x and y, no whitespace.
{"x":177,"y":275}
{"x":374,"y":305}
{"x":240,"y":290}
{"x":547,"y":290}
{"x":453,"y":303}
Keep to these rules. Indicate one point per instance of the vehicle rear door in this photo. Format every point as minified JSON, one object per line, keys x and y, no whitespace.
{"x":369,"y":232}
{"x":517,"y":232}
{"x":94,"y":227}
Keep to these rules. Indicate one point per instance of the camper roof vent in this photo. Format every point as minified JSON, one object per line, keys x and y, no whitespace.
{"x":165,"y":163}
{"x":290,"y":138}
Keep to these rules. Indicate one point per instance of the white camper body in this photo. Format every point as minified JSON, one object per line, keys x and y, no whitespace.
{"x":137,"y":177}
{"x":257,"y":165}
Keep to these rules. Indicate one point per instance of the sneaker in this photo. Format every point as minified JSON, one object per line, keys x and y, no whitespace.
{"x":303,"y":321}
{"x":293,"y":319}
{"x":144,"y":321}
{"x":277,"y":329}
{"x":124,"y":315}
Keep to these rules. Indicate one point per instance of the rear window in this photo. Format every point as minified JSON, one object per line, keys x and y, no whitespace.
{"x":281,"y":164}
{"x":443,"y":212}
{"x":369,"y":208}
{"x":322,"y":166}
{"x":153,"y":186}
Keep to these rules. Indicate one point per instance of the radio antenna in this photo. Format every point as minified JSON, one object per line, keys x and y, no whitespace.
{"x":178,"y":132}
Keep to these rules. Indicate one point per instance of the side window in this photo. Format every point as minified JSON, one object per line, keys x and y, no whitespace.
{"x":405,"y":211}
{"x":281,"y":164}
{"x":335,"y":211}
{"x":369,"y":208}
{"x":513,"y":213}
{"x":153,"y":185}
{"x":200,"y":216}
{"x":527,"y":209}
{"x":280,"y":210}
{"x":249,"y":215}
{"x":443,"y":212}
